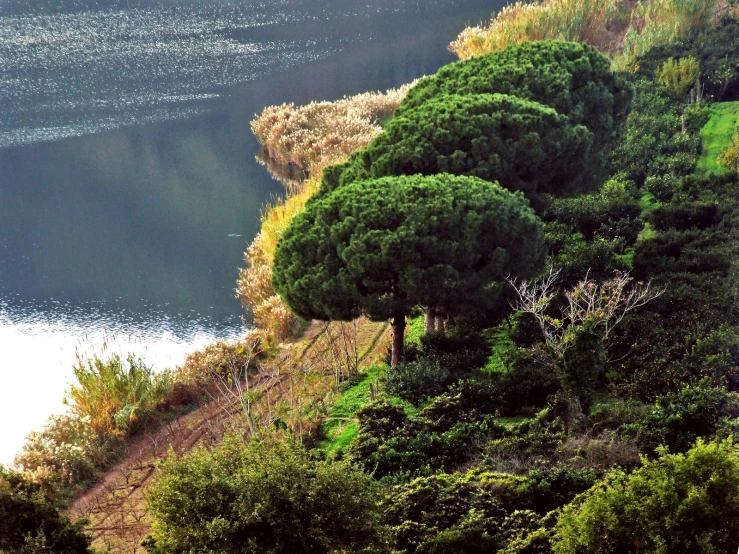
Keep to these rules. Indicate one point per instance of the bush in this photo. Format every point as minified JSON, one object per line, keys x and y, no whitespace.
{"x":114,"y":397}
{"x":458,"y":351}
{"x":32,"y":524}
{"x":544,"y":491}
{"x":677,"y":503}
{"x":574,"y":79}
{"x":259,"y":499}
{"x":65,"y":454}
{"x":598,"y":212}
{"x":416,"y":381}
{"x":470,"y":506}
{"x":679,"y":418}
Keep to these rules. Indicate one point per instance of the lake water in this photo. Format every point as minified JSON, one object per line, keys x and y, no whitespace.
{"x":128,"y":185}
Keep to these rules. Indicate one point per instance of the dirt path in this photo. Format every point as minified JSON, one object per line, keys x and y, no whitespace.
{"x":116,"y":506}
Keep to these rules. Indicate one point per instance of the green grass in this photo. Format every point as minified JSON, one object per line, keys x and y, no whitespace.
{"x":416,"y":329}
{"x":716,"y":133}
{"x":510,"y":422}
{"x":648,"y":204}
{"x":341,"y":426}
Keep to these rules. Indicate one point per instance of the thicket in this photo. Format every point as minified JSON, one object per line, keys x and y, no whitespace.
{"x":30,"y":521}
{"x":677,"y":503}
{"x":257,"y":498}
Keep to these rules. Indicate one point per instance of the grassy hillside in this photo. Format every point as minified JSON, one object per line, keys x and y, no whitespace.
{"x":716,"y":134}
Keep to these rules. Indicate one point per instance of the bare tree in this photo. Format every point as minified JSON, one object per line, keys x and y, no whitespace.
{"x":601,"y":306}
{"x":591,"y":312}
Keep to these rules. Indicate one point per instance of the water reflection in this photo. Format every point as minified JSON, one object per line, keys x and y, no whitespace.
{"x":128,"y":185}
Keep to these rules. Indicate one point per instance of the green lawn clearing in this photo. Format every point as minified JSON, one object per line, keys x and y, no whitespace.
{"x":716,"y":133}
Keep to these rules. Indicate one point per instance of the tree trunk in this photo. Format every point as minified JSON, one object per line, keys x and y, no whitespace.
{"x":439,"y":320}
{"x":398,"y":337}
{"x":429,"y":319}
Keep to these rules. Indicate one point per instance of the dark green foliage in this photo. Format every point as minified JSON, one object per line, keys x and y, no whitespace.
{"x":677,"y":503}
{"x":526,"y":387}
{"x":518,"y":143}
{"x":717,"y":50}
{"x":610,"y":209}
{"x":477,"y":511}
{"x":383,"y":247}
{"x":416,"y":381}
{"x":679,"y":418}
{"x":574,"y":79}
{"x":458,"y":351}
{"x":685,"y":216}
{"x":450,"y":511}
{"x":577,"y":258}
{"x":544,"y":491}
{"x":416,"y":449}
{"x":661,"y":187}
{"x":653,"y":142}
{"x":691,"y":255}
{"x":31,"y":523}
{"x":254,"y":499}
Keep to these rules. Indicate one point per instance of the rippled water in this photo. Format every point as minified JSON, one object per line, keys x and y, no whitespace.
{"x":128,"y":185}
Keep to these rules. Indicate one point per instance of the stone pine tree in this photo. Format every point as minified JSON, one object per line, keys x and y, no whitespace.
{"x":520,"y":144}
{"x":574,"y":79}
{"x":382,"y":247}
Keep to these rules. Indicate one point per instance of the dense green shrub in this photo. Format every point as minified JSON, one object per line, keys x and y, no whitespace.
{"x":476,"y":511}
{"x":520,"y":144}
{"x":677,"y":503}
{"x":527,"y":386}
{"x":528,"y":445}
{"x":30,"y":523}
{"x":685,"y":216}
{"x":574,"y":79}
{"x":679,"y":418}
{"x":652,"y":141}
{"x":599,"y":211}
{"x":450,"y":511}
{"x":259,"y":499}
{"x":417,"y":381}
{"x":458,"y":351}
{"x":543,"y":491}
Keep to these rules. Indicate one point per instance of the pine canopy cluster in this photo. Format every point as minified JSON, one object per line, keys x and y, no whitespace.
{"x":529,"y":119}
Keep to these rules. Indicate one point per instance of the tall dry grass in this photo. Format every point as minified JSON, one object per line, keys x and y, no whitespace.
{"x":253,"y":286}
{"x":299,"y":142}
{"x":322,"y":133}
{"x":115,"y":394}
{"x":623,"y":28}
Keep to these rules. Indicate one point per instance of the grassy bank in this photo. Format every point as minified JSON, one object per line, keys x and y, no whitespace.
{"x":716,"y":135}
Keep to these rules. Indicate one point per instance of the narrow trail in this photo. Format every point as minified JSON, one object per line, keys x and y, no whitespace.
{"x":116,"y":506}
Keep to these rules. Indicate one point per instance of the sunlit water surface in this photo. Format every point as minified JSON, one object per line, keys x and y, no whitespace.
{"x":128,"y":185}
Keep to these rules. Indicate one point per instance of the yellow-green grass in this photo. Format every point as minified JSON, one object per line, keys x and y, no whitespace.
{"x":716,"y":134}
{"x":341,"y":425}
